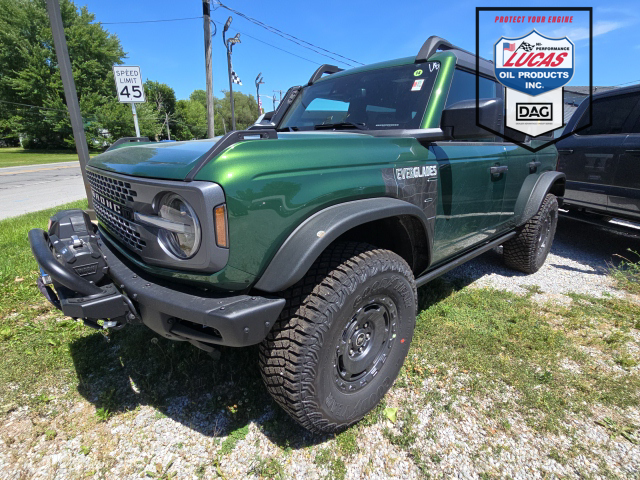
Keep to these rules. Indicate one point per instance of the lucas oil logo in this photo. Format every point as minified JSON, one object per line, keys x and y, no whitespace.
{"x":416,"y":172}
{"x":534,"y":64}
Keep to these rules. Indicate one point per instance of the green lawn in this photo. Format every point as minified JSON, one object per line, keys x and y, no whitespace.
{"x":14,"y":157}
{"x":542,"y":363}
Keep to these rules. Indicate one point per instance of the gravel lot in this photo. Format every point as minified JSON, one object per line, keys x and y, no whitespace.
{"x":579,"y":261}
{"x":465,"y":439}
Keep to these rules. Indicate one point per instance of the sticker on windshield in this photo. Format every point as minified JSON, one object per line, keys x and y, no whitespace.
{"x":417,"y":73}
{"x":417,"y":85}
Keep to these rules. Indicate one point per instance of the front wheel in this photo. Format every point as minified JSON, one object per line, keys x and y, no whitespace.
{"x":342,"y":337}
{"x":528,"y":250}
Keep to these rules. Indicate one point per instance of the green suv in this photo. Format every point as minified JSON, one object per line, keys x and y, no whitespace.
{"x":309,"y":233}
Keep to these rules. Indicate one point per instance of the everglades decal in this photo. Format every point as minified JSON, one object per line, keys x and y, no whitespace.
{"x":416,"y":172}
{"x":416,"y":185}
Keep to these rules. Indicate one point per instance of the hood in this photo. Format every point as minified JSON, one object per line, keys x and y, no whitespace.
{"x":165,"y":160}
{"x":174,"y":160}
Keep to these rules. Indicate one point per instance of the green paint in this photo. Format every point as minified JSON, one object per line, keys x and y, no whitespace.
{"x":166,"y":160}
{"x":440,"y":90}
{"x":298,"y":174}
{"x":273,"y":185}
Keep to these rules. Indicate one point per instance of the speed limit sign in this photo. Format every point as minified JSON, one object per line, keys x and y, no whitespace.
{"x":128,"y":84}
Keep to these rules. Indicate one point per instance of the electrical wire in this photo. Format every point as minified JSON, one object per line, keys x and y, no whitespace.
{"x":292,"y":38}
{"x":271,"y":45}
{"x":626,"y":83}
{"x":153,"y":21}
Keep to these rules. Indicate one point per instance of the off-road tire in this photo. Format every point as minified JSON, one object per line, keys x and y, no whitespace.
{"x":304,"y":361}
{"x":528,"y":251}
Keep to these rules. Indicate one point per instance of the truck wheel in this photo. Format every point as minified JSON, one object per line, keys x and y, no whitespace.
{"x":342,"y":337}
{"x":528,"y":251}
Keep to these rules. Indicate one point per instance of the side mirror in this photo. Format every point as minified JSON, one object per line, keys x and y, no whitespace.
{"x":459,"y":120}
{"x":268,"y":115}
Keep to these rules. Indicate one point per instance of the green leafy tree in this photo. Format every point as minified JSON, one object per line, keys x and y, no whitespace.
{"x":29,"y":72}
{"x":199,"y":96}
{"x":190,"y":120}
{"x":161,"y":98}
{"x":246,"y":108}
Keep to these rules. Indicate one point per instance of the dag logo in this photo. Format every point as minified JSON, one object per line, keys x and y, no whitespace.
{"x":534,"y":64}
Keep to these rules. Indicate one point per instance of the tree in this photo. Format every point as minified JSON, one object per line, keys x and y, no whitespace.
{"x":190,"y":120}
{"x":246,"y":107}
{"x":199,"y":96}
{"x":29,"y":72}
{"x":163,"y":101}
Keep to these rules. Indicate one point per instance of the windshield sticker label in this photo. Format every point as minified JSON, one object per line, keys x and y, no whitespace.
{"x":417,"y":85}
{"x":417,"y":73}
{"x":416,"y":172}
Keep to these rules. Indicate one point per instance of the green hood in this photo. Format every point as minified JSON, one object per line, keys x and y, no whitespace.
{"x":174,"y":160}
{"x":166,"y":160}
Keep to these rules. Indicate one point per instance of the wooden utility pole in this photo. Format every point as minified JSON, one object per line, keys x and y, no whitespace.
{"x":206,"y":13}
{"x":70,"y":94}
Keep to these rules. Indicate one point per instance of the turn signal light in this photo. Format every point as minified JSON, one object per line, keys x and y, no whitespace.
{"x":220,"y":216}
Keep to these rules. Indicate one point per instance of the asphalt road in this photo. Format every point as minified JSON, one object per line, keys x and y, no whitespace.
{"x":36,"y":187}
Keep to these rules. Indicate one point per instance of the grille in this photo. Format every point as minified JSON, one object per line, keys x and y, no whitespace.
{"x":120,"y":227}
{"x":116,"y":190}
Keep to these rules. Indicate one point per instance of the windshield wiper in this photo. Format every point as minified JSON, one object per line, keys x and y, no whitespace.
{"x":340,"y":126}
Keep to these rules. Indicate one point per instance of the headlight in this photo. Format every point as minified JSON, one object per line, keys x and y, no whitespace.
{"x":182,"y":238}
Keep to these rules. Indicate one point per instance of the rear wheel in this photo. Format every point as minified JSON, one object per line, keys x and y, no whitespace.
{"x":342,"y":338}
{"x":528,"y":251}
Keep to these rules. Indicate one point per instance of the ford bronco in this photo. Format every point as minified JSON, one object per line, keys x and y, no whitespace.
{"x":309,"y":233}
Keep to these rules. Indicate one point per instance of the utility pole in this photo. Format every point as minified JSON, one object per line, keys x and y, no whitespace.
{"x":274,"y":102}
{"x":280,"y":92}
{"x":259,"y":81}
{"x":206,"y":12}
{"x":70,"y":94}
{"x":229,"y":46}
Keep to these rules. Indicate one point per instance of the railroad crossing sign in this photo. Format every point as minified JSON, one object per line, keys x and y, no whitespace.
{"x":128,"y":84}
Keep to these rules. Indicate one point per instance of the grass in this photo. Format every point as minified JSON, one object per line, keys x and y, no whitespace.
{"x":469,"y":345}
{"x":501,"y":341}
{"x":18,"y":156}
{"x":627,"y":273}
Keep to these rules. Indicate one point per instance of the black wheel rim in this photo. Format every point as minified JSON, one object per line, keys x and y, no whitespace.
{"x":544,"y":235}
{"x":365,"y":343}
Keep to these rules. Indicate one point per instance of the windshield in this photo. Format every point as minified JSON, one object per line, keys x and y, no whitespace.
{"x":388,"y":98}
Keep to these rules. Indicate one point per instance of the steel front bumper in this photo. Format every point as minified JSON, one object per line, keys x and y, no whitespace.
{"x":176,"y":311}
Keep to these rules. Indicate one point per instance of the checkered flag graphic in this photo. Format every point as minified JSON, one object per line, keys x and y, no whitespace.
{"x":234,"y":77}
{"x":527,"y":47}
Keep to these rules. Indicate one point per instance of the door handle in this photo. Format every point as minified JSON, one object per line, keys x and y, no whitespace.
{"x":533,"y":166}
{"x":497,"y":170}
{"x":566,"y":151}
{"x":632,"y":152}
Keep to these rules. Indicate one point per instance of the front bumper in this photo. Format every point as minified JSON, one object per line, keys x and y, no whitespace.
{"x":175,"y":311}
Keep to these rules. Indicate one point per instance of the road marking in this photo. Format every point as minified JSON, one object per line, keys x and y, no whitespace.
{"x":39,"y":170}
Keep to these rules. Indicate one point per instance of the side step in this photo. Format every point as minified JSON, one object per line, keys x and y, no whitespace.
{"x":427,"y":277}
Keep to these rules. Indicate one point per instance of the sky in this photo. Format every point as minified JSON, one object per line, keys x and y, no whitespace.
{"x":363,"y":31}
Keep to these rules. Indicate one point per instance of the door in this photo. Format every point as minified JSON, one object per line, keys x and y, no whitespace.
{"x":469,"y":195}
{"x":522,"y":163}
{"x":590,"y":157}
{"x":624,"y":196}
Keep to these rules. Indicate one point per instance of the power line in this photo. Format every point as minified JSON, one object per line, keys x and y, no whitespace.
{"x":266,"y":43}
{"x":626,"y":83}
{"x":153,"y":21}
{"x":257,"y":22}
{"x":35,"y":106}
{"x":292,"y":38}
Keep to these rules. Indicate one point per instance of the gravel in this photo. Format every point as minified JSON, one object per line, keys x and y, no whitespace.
{"x":463,"y":441}
{"x":579,"y":262}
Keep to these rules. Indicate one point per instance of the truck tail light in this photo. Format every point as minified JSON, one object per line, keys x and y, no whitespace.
{"x":220,"y":216}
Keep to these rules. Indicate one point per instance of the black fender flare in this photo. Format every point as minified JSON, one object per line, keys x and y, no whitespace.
{"x":305,"y":244}
{"x":533,"y":192}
